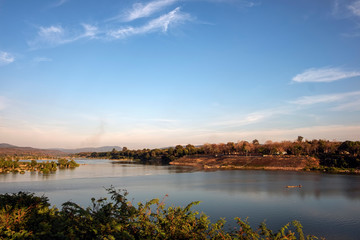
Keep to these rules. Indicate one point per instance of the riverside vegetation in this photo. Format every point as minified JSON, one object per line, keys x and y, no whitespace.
{"x":333,"y":156}
{"x":14,"y":165}
{"x":26,"y":216}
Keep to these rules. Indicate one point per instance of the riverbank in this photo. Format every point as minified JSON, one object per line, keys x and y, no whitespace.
{"x":288,"y":163}
{"x":7,"y":166}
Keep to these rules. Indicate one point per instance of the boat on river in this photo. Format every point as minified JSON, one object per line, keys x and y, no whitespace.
{"x":296,"y":186}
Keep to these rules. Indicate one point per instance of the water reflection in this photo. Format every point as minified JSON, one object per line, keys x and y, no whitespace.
{"x":274,"y":183}
{"x":327,"y":205}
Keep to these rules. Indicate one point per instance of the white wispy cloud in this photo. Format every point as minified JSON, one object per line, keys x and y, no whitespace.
{"x":41,"y":59}
{"x":59,"y":3}
{"x":335,"y":7}
{"x":57,"y":35}
{"x":140,"y":10}
{"x":241,"y":120}
{"x":351,"y":34}
{"x":353,"y":105}
{"x":326,"y":98}
{"x":53,"y":35}
{"x":251,"y":118}
{"x":345,"y":8}
{"x":6,"y":58}
{"x":161,"y":23}
{"x":350,"y":10}
{"x":90,"y":31}
{"x":162,"y":120}
{"x":354,"y":8}
{"x":239,"y":3}
{"x":324,"y":75}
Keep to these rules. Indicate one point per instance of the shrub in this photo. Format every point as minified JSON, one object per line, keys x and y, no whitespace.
{"x":25,"y":216}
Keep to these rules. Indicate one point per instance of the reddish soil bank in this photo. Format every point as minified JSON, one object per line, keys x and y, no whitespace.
{"x":248,"y":162}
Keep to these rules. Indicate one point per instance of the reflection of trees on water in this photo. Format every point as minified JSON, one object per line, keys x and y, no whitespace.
{"x":324,"y":199}
{"x":271,"y":183}
{"x":156,"y":167}
{"x":274,"y":183}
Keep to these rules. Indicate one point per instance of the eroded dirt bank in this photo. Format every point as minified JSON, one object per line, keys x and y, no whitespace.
{"x":248,"y":162}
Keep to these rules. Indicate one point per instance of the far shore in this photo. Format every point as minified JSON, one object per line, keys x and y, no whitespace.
{"x":266,"y":162}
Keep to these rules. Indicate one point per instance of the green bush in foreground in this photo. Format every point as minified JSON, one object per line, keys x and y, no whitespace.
{"x":25,"y":216}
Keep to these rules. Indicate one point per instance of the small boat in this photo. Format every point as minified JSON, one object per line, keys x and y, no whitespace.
{"x":297,"y":186}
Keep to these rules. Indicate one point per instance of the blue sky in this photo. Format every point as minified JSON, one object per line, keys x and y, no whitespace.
{"x":166,"y":72}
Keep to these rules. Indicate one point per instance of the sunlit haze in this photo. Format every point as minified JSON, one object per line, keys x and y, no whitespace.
{"x":145,"y":74}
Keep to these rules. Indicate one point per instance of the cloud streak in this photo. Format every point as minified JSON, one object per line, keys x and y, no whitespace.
{"x":354,"y":8}
{"x":349,"y":106}
{"x":90,"y":31}
{"x":324,"y":75}
{"x":51,"y":36}
{"x":252,"y":118}
{"x":326,"y":98}
{"x":140,"y":10}
{"x":57,"y":35}
{"x":42,"y":59}
{"x":60,"y":3}
{"x":161,"y":23}
{"x":6,"y":58}
{"x":241,"y":121}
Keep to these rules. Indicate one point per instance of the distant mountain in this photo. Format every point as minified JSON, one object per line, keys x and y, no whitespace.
{"x":8,"y":149}
{"x":89,"y":149}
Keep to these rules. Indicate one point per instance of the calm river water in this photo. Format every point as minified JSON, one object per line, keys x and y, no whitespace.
{"x":327,"y":205}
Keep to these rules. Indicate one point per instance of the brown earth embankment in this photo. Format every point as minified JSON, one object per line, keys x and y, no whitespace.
{"x":284,"y":162}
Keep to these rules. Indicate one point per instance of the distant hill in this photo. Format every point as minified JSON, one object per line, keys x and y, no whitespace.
{"x":5,"y":145}
{"x":8,"y":149}
{"x":89,"y":149}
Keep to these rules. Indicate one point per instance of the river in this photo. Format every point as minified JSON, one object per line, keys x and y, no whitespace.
{"x":327,"y":205}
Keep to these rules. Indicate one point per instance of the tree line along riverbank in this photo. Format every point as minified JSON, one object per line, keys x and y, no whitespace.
{"x":9,"y":164}
{"x":318,"y":155}
{"x":323,"y":155}
{"x":266,"y":162}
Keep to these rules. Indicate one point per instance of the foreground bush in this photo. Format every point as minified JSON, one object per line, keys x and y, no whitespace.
{"x":26,"y":216}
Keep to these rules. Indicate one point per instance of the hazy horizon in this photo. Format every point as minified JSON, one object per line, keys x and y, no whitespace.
{"x":147,"y":74}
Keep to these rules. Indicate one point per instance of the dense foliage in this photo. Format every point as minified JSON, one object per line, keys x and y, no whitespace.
{"x":10,"y":165}
{"x":331,"y":153}
{"x":25,"y":216}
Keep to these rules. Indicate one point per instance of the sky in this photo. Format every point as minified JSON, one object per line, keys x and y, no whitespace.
{"x":146,"y":74}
